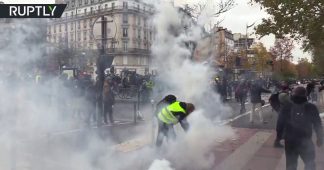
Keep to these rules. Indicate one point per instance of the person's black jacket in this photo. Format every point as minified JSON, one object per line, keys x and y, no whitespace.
{"x":312,"y":114}
{"x":256,"y":91}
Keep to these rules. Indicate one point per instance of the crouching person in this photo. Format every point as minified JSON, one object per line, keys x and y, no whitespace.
{"x":171,"y":115}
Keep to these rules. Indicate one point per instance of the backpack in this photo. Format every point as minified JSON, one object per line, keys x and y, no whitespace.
{"x":274,"y":102}
{"x":299,"y":121}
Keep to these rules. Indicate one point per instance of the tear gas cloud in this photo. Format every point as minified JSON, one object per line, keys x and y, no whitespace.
{"x":190,"y":82}
{"x":31,"y":112}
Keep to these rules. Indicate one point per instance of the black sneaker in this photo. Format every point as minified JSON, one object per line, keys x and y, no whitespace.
{"x":277,"y":144}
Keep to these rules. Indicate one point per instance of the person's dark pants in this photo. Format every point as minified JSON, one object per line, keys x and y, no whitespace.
{"x":303,"y":148}
{"x":164,"y":130}
{"x":108,"y":111}
{"x":242,"y":99}
{"x":91,"y":111}
{"x":278,"y":131}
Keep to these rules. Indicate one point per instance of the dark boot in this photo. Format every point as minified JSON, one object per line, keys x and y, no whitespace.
{"x":277,"y":144}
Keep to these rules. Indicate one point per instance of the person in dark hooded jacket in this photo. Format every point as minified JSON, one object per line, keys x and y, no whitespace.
{"x":256,"y":90}
{"x":296,"y":121}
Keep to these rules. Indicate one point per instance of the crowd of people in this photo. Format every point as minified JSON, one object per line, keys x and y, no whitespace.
{"x":298,"y":114}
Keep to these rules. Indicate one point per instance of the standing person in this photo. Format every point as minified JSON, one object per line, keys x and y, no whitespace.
{"x":91,"y":97}
{"x":277,"y":101}
{"x":296,"y":121}
{"x":256,"y":100}
{"x":241,"y":93}
{"x":108,"y":102}
{"x":310,"y":87}
{"x":169,"y":116}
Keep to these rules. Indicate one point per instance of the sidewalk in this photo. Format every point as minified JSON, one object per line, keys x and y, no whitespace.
{"x":253,"y":150}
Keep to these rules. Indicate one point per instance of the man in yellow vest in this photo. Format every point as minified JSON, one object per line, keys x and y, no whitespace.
{"x":175,"y":112}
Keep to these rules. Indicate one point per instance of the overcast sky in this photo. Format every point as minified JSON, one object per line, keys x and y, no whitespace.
{"x":241,"y":15}
{"x":235,"y":20}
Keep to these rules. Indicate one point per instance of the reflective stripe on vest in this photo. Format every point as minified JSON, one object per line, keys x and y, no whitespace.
{"x":167,"y":116}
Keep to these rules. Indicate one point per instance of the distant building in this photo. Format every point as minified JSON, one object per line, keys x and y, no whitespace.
{"x":242,"y":41}
{"x":129,"y":32}
{"x":215,"y":47}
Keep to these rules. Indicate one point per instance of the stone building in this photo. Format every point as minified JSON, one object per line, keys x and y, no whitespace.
{"x":128,"y":28}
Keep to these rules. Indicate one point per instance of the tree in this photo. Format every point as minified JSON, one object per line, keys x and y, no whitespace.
{"x":210,"y":9}
{"x":282,"y":50}
{"x":288,"y":72}
{"x":262,"y":58}
{"x":300,"y":19}
{"x":304,"y":68}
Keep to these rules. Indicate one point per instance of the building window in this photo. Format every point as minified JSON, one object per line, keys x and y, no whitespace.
{"x":72,"y":25}
{"x":139,"y":34}
{"x":84,"y":35}
{"x":92,"y":1}
{"x":145,"y":34}
{"x":145,"y":22}
{"x":73,"y":3}
{"x":86,"y":1}
{"x":139,"y":20}
{"x":90,"y":22}
{"x":99,"y":7}
{"x":79,"y":24}
{"x":151,"y":35}
{"x":85,"y":11}
{"x":91,"y":10}
{"x":138,"y":7}
{"x":125,"y":46}
{"x":60,"y":28}
{"x":125,"y":32}
{"x":125,"y":5}
{"x":106,"y":6}
{"x":80,"y":2}
{"x":79,"y":36}
{"x":113,"y":5}
{"x":66,"y":15}
{"x":125,"y":18}
{"x":84,"y":23}
{"x":72,"y":37}
{"x":54,"y":38}
{"x":72,"y":14}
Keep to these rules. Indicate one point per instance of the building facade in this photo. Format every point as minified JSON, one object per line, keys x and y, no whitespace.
{"x":129,"y":33}
{"x":242,"y":41}
{"x":215,"y":47}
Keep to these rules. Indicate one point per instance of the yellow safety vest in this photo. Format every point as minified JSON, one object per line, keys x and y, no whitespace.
{"x":167,"y":116}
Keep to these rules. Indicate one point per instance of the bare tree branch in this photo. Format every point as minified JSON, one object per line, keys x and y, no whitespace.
{"x":218,"y":7}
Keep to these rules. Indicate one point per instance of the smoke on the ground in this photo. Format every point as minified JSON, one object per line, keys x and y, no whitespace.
{"x":31,"y":112}
{"x":190,"y":82}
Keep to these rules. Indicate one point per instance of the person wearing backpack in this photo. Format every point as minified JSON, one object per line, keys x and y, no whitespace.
{"x":277,"y":101}
{"x":297,"y":120}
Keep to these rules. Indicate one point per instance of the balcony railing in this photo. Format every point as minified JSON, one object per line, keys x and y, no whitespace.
{"x":129,"y":50}
{"x":102,"y":11}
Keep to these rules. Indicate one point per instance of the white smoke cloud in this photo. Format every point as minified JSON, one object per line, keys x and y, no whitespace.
{"x":30,"y":113}
{"x":189,"y":81}
{"x":160,"y":165}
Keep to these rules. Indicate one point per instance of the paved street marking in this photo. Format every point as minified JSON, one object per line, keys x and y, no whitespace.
{"x":239,"y":116}
{"x":240,"y":157}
